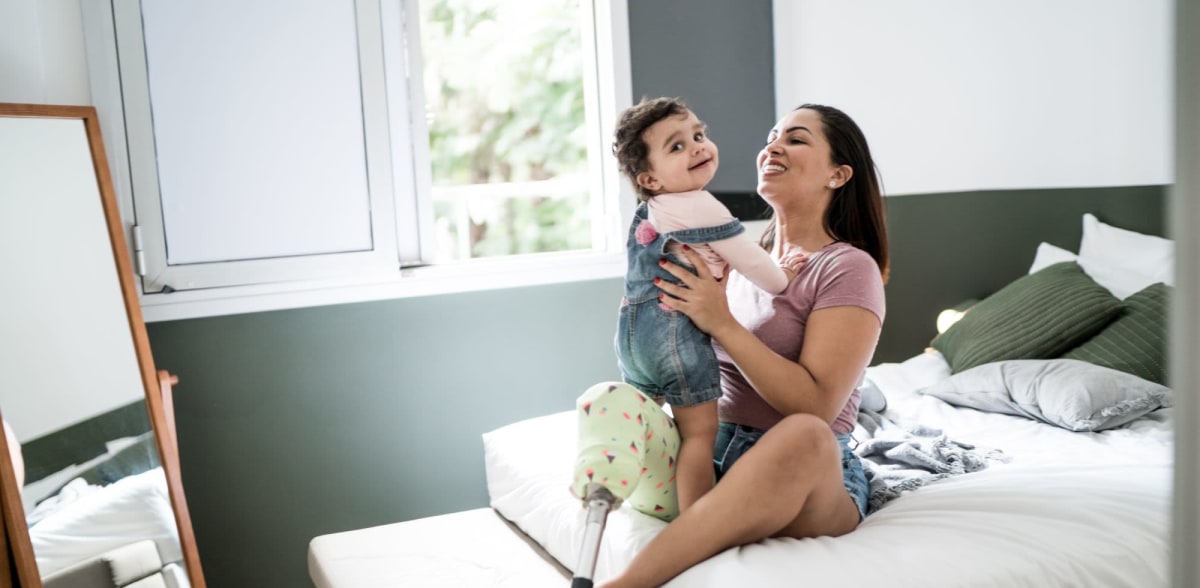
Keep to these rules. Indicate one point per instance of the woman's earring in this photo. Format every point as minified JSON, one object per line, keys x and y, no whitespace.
{"x":832,"y":183}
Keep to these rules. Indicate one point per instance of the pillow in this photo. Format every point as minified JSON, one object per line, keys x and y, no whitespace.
{"x":100,"y":519}
{"x":1111,"y":246}
{"x":1038,"y":316}
{"x":1068,"y":393}
{"x":139,"y":456}
{"x":1120,"y":281}
{"x":1048,"y":254}
{"x":1135,"y":342}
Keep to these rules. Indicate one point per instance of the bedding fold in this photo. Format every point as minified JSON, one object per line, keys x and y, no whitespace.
{"x":900,"y":458}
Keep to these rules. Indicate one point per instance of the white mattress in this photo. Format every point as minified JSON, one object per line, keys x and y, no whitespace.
{"x":1071,"y":509}
{"x":469,"y":548}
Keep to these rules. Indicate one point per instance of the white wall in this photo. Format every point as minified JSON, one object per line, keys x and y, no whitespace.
{"x":42,"y":61}
{"x":66,"y":353}
{"x":42,"y":57}
{"x":959,"y":96}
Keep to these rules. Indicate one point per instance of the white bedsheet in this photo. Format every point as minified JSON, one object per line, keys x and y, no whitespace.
{"x":1071,"y":509}
{"x":88,"y":521}
{"x":462,"y":549}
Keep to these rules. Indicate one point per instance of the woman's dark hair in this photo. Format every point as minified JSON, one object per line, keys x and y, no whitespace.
{"x":633,"y":155}
{"x":856,"y":212}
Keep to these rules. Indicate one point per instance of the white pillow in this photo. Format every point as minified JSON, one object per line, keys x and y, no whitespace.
{"x":1121,"y":282}
{"x":1148,"y":255}
{"x":1048,"y":254}
{"x":128,"y":510}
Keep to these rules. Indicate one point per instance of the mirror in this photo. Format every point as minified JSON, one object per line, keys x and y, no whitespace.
{"x":90,"y":467}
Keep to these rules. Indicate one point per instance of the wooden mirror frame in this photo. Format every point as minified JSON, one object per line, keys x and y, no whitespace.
{"x":17,"y":547}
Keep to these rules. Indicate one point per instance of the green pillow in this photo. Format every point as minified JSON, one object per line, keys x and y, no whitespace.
{"x":1038,"y":316}
{"x":1134,"y":343}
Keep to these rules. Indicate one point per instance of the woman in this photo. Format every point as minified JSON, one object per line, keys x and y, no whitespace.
{"x":782,"y":459}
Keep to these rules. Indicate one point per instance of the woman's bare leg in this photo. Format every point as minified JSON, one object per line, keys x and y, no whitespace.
{"x":788,"y":484}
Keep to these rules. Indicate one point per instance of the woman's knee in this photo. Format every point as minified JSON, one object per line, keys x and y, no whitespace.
{"x":802,"y":438}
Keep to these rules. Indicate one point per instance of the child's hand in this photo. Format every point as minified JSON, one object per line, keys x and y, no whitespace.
{"x":791,"y":264}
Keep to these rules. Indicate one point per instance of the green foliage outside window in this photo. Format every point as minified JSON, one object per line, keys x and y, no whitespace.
{"x":505,"y":103}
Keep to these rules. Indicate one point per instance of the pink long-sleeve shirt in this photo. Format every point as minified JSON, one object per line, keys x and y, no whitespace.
{"x":698,"y":208}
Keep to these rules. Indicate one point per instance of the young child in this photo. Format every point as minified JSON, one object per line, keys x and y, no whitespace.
{"x":662,"y":148}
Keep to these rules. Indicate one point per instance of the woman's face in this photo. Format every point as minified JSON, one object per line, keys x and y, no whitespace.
{"x":796,"y":159}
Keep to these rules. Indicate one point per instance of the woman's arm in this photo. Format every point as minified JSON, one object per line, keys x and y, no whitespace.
{"x":838,"y":345}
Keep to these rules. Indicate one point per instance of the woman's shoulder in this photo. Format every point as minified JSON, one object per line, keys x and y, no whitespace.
{"x":846,"y":275}
{"x":844,"y":257}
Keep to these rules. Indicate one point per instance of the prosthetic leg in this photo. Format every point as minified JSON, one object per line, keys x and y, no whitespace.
{"x":627,"y":449}
{"x":600,"y":501}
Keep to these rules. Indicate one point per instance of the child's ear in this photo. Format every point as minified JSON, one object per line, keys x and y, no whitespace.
{"x":648,"y":181}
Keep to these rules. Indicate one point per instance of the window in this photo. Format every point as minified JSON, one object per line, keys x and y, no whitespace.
{"x":506,"y":122}
{"x":262,"y":168}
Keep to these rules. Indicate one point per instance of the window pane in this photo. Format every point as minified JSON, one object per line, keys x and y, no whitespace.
{"x":257,"y":126}
{"x":505,"y":107}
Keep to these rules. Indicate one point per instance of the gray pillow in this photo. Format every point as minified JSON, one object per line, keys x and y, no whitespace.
{"x":1068,"y":393}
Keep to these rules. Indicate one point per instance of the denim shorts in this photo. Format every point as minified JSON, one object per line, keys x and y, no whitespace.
{"x":663,"y":354}
{"x":734,"y":440}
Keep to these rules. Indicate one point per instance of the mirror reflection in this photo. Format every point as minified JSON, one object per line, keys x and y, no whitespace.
{"x":76,"y":376}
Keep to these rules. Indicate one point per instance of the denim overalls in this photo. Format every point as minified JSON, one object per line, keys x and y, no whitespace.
{"x":661,"y":352}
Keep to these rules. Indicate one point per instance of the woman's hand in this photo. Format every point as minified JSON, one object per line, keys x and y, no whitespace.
{"x":699,"y":296}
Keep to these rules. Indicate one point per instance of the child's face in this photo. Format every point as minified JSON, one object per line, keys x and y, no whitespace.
{"x":681,"y":157}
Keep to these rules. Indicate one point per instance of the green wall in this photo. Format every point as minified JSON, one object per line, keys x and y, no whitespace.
{"x":947,"y":248}
{"x":298,"y":423}
{"x":718,"y":56}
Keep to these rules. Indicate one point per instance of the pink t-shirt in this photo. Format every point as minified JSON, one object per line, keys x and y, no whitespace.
{"x":837,"y":275}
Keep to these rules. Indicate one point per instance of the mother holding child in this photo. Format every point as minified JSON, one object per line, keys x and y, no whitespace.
{"x":759,"y":349}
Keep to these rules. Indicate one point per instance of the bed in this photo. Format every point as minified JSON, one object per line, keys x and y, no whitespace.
{"x":1080,"y":498}
{"x":470,"y":548}
{"x":1093,"y":511}
{"x":1056,"y":378}
{"x":106,"y":522}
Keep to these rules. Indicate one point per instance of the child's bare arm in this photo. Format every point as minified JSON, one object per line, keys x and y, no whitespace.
{"x":694,"y":466}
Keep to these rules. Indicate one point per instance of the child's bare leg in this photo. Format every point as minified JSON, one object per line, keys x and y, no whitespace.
{"x":697,"y":431}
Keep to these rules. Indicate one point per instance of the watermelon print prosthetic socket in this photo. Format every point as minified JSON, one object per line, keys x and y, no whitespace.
{"x":628,"y":444}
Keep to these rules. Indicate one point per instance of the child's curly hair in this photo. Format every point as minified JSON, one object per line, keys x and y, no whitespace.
{"x":631,"y":151}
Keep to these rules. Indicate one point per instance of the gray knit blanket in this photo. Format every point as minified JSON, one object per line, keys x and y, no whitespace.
{"x":899,"y":458}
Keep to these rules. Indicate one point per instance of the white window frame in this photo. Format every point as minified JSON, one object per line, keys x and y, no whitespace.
{"x":404,"y":209}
